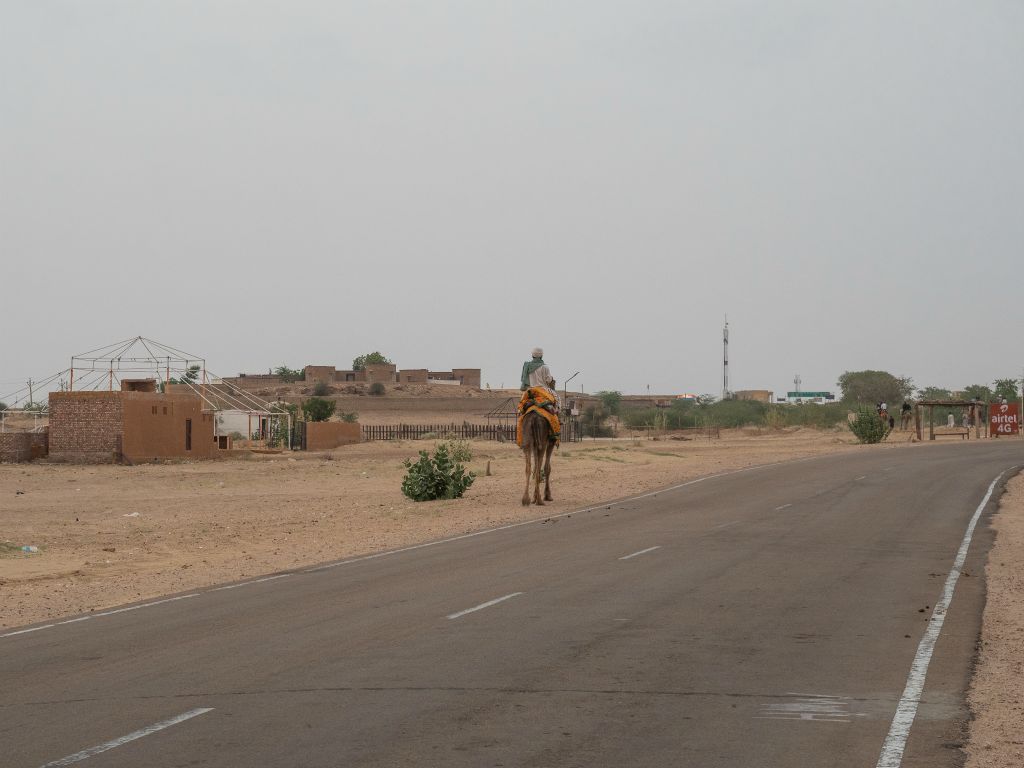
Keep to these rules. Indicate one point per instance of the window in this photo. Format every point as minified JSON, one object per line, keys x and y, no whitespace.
{"x":165,"y":410}
{"x":154,"y":410}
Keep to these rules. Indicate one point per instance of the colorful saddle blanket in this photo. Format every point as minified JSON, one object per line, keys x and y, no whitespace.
{"x":540,"y":401}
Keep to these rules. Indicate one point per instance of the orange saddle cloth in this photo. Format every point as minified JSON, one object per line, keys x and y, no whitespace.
{"x":540,"y":401}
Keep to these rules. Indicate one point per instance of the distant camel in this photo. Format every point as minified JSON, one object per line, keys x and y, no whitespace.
{"x":537,"y":447}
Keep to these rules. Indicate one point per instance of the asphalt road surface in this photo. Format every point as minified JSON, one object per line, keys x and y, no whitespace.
{"x":777,"y":616}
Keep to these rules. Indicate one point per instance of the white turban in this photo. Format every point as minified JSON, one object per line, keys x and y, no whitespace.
{"x":537,"y":352}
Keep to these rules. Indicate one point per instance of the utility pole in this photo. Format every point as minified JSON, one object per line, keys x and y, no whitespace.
{"x":30,"y":400}
{"x":725,"y":359}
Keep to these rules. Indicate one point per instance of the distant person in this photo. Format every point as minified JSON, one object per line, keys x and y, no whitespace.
{"x":892,"y":423}
{"x":950,"y":421}
{"x":966,"y":420}
{"x":905,"y":415}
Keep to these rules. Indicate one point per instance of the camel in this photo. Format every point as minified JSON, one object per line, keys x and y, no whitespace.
{"x":537,"y":447}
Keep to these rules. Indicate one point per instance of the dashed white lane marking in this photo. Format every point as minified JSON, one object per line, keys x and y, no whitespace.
{"x":400,"y":550}
{"x":906,"y":710}
{"x":862,"y":477}
{"x":784,"y":506}
{"x":148,"y":730}
{"x":641,"y":552}
{"x":480,"y":607}
{"x":811,"y":706}
{"x":253,"y":581}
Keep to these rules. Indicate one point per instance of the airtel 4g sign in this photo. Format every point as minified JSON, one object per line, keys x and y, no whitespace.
{"x":1003,"y":419}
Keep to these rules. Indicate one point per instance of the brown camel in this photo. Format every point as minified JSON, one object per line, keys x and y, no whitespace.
{"x":537,"y":448}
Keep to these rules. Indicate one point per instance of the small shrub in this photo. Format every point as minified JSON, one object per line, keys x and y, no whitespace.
{"x":437,"y":477}
{"x":318,"y":409}
{"x":460,"y":450}
{"x":868,"y":427}
{"x":320,"y":389}
{"x":377,"y":389}
{"x":350,"y":417}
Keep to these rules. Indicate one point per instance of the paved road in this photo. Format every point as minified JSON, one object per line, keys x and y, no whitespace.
{"x":765,"y":618}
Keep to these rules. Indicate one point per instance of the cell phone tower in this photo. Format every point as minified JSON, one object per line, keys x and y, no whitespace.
{"x":725,"y":359}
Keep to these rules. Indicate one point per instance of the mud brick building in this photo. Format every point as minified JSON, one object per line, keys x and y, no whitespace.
{"x":131,"y":425}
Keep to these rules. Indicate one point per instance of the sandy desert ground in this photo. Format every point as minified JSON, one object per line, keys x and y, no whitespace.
{"x":108,"y":535}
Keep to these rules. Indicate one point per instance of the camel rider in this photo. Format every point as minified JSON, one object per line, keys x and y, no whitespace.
{"x":537,"y":374}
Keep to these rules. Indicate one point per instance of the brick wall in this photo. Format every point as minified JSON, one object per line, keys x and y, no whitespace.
{"x":324,"y":435}
{"x":86,"y":427}
{"x":469,"y":377}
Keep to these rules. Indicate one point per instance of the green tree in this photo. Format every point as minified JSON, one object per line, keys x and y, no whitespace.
{"x":1006,"y":389}
{"x":934,"y":393}
{"x":370,"y":358}
{"x":874,"y":387}
{"x":978,"y":392}
{"x":611,"y":400}
{"x":318,"y":409}
{"x":289,"y":374}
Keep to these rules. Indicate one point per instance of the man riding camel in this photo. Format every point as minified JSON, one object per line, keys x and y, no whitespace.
{"x":539,"y":393}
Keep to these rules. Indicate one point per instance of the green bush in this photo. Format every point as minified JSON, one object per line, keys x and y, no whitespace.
{"x":437,"y":477}
{"x":377,"y":389}
{"x":868,"y":427}
{"x":320,"y":389}
{"x":459,"y":450}
{"x":350,"y":416}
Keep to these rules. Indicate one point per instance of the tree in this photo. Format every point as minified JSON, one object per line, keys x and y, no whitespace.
{"x":3,"y":405}
{"x":370,"y":358}
{"x":377,"y":389}
{"x":318,"y":409}
{"x":611,"y":400}
{"x":978,"y":392}
{"x":288,"y":374}
{"x":1006,"y":389}
{"x":874,"y":387}
{"x":706,"y":399}
{"x":934,"y":393}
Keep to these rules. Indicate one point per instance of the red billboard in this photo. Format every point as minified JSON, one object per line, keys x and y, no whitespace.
{"x":1003,"y":419}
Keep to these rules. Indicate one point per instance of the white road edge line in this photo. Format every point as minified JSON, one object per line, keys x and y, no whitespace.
{"x":906,"y":710}
{"x":480,"y":607}
{"x":253,"y":581}
{"x":641,"y":552}
{"x":148,"y":730}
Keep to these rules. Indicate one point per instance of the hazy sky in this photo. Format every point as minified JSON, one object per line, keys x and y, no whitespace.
{"x":453,"y":183}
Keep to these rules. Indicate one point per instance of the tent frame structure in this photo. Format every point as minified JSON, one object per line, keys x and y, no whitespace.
{"x":140,"y":357}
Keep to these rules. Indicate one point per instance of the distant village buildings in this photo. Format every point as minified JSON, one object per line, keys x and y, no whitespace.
{"x":384,"y":373}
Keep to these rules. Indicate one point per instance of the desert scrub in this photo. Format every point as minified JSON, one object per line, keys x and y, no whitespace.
{"x":868,"y":427}
{"x":435,"y":477}
{"x":459,"y":450}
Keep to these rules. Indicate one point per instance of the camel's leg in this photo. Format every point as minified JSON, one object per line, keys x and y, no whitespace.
{"x":538,"y":467}
{"x":547,"y":471}
{"x":526,"y":491}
